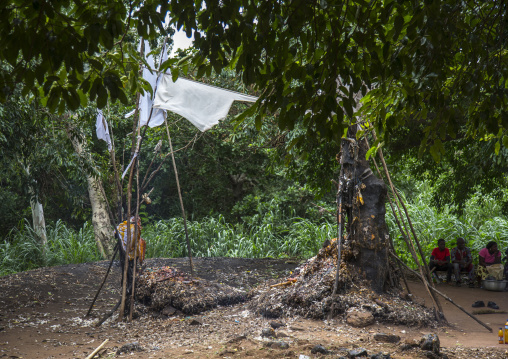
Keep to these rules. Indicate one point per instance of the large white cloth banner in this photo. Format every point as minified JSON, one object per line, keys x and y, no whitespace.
{"x":145,"y":103}
{"x":201,"y":104}
{"x":102,"y":130}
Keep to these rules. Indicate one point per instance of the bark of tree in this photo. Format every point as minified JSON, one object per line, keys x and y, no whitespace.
{"x":100,"y":218}
{"x":38,"y":220}
{"x":366,"y":247}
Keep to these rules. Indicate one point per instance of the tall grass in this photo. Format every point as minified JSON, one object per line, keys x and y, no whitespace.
{"x":22,"y":249}
{"x":214,"y":237}
{"x":274,"y":233}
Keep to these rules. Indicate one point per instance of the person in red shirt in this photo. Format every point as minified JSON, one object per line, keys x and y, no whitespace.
{"x":440,"y":260}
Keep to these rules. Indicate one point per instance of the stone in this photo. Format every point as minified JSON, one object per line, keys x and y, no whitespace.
{"x":409,"y":344}
{"x":430,"y":342}
{"x":281,"y":335}
{"x":297,"y":329}
{"x":276,"y":325}
{"x":432,"y":355}
{"x":356,"y":353}
{"x":195,"y":322}
{"x":386,"y":338}
{"x":359,"y":318}
{"x":129,"y":348}
{"x":380,"y":356}
{"x":276,"y":345}
{"x":237,"y":339}
{"x":268,"y":333}
{"x":319,"y":349}
{"x":168,"y":311}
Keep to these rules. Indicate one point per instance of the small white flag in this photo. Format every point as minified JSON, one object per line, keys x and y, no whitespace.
{"x":102,"y":129}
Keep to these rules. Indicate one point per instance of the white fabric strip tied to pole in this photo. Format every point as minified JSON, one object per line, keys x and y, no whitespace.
{"x":146,"y":102}
{"x":102,"y":130}
{"x":203,"y":105}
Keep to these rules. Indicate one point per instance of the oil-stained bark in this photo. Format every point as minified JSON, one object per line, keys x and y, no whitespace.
{"x":364,"y":196}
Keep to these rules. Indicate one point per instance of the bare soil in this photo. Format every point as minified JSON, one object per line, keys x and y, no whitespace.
{"x":42,"y":316}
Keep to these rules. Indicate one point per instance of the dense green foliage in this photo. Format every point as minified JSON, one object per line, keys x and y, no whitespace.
{"x":432,"y":74}
{"x":70,"y":51}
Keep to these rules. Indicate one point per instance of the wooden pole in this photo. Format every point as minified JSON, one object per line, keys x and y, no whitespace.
{"x":339,"y":223}
{"x":442,"y":294}
{"x":437,"y":304}
{"x":104,"y":281}
{"x":137,"y":233}
{"x":180,"y":197}
{"x":97,"y":349}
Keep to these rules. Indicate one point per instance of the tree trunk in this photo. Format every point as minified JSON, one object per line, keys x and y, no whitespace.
{"x":364,"y":197}
{"x":39,"y":223}
{"x":38,"y":219}
{"x":100,"y":219}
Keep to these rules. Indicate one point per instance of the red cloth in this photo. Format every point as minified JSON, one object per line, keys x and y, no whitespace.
{"x":440,"y":255}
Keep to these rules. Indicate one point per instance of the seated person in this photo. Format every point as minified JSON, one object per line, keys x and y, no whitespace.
{"x":440,"y":259}
{"x":462,"y":261}
{"x":489,"y":261}
{"x":506,"y":264}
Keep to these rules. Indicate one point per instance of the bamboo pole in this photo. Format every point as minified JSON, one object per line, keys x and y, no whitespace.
{"x":97,"y":349}
{"x":437,"y":304}
{"x":396,"y":219}
{"x":443,"y":295}
{"x":180,"y":197}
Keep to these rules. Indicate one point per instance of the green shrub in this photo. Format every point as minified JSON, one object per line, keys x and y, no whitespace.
{"x":22,"y":249}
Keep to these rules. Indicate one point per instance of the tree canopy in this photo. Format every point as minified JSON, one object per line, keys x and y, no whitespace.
{"x":443,"y":63}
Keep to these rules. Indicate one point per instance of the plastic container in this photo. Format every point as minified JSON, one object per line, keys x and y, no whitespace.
{"x":506,"y":332}
{"x":501,"y":336}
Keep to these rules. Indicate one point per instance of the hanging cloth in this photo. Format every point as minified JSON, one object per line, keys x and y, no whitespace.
{"x":102,"y":130}
{"x":203,"y":105}
{"x":146,"y":102}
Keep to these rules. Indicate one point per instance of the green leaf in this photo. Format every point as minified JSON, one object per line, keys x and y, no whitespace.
{"x":505,"y":141}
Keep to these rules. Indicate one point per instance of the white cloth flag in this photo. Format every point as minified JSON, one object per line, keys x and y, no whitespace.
{"x":102,"y":130}
{"x":201,"y":104}
{"x":145,"y":103}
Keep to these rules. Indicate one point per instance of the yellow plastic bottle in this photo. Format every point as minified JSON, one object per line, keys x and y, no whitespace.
{"x":506,"y":332}
{"x":501,"y":336}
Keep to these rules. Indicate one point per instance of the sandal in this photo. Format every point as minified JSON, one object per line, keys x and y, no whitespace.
{"x":478,"y":304}
{"x":493,"y":305}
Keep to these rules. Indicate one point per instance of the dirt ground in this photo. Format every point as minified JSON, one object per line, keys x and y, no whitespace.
{"x":42,"y":316}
